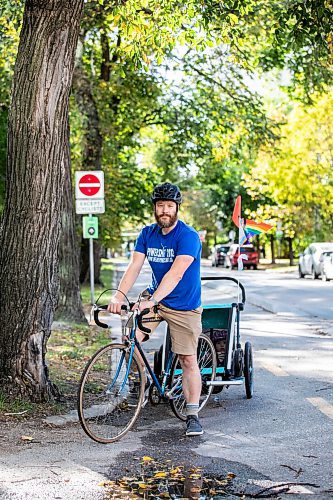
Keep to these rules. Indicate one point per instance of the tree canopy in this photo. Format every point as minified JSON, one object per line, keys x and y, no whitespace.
{"x":161,"y":90}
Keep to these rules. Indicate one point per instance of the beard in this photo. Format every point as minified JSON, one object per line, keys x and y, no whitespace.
{"x":169,"y":220}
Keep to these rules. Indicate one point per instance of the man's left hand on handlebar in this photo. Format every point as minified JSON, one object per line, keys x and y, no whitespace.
{"x":115,"y":305}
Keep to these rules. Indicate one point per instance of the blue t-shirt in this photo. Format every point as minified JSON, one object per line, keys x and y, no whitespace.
{"x":161,"y":250}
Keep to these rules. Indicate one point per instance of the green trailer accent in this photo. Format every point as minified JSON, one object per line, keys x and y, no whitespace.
{"x":216,"y":315}
{"x":204,"y":371}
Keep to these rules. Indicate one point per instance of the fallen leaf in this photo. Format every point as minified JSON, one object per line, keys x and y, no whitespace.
{"x":177,"y":470}
{"x":231,"y":475}
{"x":143,"y":486}
{"x":105,"y":483}
{"x":160,"y":474}
{"x":27,"y":438}
{"x":221,"y":483}
{"x":147,"y":459}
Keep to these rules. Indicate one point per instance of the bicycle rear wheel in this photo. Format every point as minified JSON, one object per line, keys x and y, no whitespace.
{"x":110,"y":396}
{"x":207,"y":365}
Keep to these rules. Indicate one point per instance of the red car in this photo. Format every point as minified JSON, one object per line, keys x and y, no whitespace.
{"x":252,"y":256}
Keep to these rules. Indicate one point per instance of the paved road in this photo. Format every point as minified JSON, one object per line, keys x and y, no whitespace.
{"x":282,"y":435}
{"x":285,"y":293}
{"x":285,"y":431}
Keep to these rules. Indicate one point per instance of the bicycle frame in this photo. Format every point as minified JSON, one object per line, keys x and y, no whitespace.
{"x":161,"y":387}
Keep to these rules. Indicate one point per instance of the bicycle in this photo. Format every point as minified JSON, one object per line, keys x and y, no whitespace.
{"x":112,"y":387}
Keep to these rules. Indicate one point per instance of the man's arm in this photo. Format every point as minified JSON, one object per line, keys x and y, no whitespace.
{"x":127,"y":281}
{"x":170,"y":280}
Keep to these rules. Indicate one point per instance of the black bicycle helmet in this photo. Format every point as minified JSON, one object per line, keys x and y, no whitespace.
{"x":167,"y":191}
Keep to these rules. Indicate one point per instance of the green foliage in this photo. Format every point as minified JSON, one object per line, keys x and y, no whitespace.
{"x":15,"y":406}
{"x":212,"y":128}
{"x":204,"y":128}
{"x":125,"y":107}
{"x":296,"y":35}
{"x":3,"y":152}
{"x":10,"y":19}
{"x":296,"y":180}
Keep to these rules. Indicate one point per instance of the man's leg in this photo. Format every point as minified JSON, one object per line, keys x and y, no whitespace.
{"x":191,"y":378}
{"x":192,"y":390}
{"x":185,"y":328}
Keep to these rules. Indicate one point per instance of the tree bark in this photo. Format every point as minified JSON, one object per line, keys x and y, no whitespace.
{"x":290,"y":251}
{"x":105,"y":65}
{"x":36,"y":167}
{"x":84,"y":264}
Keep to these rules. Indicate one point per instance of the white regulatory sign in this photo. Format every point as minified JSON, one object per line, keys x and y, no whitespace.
{"x":89,"y":184}
{"x":90,"y":206}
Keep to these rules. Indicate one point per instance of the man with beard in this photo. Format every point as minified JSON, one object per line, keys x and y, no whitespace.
{"x":173,"y":250}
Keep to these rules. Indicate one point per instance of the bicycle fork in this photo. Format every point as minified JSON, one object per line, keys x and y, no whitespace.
{"x":119,"y":367}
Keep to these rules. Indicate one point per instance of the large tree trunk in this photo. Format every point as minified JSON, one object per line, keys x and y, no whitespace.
{"x":37,"y":145}
{"x":69,"y":303}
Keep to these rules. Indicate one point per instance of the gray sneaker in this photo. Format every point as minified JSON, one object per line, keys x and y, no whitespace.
{"x":193,"y":426}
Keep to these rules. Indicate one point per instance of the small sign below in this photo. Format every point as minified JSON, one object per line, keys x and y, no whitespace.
{"x":90,"y":206}
{"x":90,"y":227}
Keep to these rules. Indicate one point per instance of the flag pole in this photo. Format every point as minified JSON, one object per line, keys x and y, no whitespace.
{"x":236,"y":217}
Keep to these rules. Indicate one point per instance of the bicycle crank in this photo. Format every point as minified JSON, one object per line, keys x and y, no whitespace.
{"x":154,"y":395}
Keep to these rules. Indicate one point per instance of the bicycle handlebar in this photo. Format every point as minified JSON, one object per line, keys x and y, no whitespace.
{"x":229,"y":278}
{"x":98,"y":309}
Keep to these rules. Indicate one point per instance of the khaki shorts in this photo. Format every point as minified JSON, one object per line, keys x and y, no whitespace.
{"x":185,"y":326}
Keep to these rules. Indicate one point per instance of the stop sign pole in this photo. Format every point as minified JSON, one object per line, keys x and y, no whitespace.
{"x":92,"y":272}
{"x":89,"y":194}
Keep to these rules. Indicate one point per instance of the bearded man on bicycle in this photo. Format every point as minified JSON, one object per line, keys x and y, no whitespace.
{"x":173,"y":250}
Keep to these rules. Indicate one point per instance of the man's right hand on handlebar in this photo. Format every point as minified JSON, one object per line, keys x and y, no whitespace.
{"x":115,"y":304}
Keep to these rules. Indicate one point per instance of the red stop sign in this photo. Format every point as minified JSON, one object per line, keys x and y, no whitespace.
{"x":89,"y":185}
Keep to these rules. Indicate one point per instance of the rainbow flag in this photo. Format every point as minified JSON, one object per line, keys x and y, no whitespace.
{"x":252,"y":228}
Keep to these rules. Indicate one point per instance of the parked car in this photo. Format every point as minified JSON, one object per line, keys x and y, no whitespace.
{"x":249,"y":250}
{"x":309,"y":260}
{"x":219,"y":255}
{"x":326,"y":266}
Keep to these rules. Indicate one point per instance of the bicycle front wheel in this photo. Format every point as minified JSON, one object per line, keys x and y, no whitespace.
{"x":110,"y":394}
{"x":207,"y":365}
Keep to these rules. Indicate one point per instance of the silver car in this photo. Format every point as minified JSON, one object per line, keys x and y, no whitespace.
{"x":309,"y":260}
{"x":326,"y":266}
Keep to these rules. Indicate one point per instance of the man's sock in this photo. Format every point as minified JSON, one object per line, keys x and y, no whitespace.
{"x":192,"y":409}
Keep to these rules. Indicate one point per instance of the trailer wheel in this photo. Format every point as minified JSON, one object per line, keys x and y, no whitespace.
{"x":248,"y":369}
